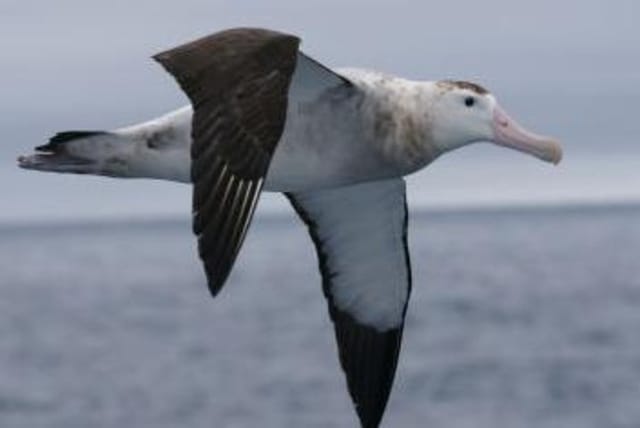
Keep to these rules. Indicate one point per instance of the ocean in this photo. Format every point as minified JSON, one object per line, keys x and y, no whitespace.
{"x":518,"y":318}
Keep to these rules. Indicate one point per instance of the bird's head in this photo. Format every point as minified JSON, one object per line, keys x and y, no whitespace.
{"x":464,"y":112}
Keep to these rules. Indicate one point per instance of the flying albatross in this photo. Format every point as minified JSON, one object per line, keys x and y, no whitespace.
{"x":265,"y":116}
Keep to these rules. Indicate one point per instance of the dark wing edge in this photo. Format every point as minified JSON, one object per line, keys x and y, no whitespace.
{"x":320,"y":66}
{"x":237,"y":81}
{"x":368,"y":357}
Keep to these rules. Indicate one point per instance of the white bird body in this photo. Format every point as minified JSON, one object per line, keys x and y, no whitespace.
{"x":172,"y":130}
{"x":345,"y":138}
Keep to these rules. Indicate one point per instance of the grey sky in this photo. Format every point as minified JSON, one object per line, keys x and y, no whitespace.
{"x":570,"y":69}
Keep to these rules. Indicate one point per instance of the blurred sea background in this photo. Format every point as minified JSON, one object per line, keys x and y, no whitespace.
{"x":526,"y":292}
{"x":518,"y":318}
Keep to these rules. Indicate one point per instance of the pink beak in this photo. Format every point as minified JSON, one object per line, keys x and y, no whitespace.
{"x":508,"y":133}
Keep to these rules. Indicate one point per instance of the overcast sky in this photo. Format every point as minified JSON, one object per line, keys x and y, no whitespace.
{"x":570,"y":69}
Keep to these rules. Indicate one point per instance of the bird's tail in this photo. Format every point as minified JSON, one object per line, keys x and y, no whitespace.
{"x":81,"y":152}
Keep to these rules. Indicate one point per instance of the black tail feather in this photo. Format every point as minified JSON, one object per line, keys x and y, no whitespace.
{"x":65,"y":137}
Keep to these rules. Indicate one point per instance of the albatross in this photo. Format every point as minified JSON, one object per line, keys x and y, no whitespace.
{"x":264,"y":116}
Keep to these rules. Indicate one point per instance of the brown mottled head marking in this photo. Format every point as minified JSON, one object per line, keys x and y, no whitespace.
{"x":463,"y":84}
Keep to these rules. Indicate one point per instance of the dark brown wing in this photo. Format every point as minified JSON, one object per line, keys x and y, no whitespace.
{"x":360,"y":235}
{"x":237,"y":81}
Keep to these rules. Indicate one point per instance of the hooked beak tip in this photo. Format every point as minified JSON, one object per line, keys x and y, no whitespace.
{"x":549,"y":150}
{"x":557,"y":153}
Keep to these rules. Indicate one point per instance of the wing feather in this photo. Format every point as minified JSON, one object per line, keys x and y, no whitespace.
{"x":365,"y":225}
{"x":238,"y":82}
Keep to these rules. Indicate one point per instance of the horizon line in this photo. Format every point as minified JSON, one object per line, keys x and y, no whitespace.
{"x":550,"y":207}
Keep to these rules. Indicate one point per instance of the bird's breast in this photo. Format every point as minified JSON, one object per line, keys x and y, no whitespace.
{"x":327,"y":143}
{"x":346,"y":137}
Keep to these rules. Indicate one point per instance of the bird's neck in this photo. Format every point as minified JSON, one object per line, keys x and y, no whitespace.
{"x":402,"y":121}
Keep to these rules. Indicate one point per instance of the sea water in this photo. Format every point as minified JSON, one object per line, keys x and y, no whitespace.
{"x":518,"y":318}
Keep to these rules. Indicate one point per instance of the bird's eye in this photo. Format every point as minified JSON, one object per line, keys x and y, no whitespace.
{"x":469,"y":101}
